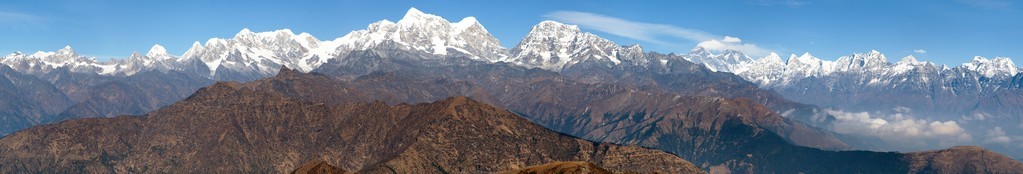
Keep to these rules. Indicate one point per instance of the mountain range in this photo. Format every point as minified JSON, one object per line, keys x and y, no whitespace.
{"x":983,"y":96}
{"x":704,"y":107}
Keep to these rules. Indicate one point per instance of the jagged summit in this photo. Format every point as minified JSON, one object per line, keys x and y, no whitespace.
{"x":549,"y":45}
{"x":909,"y":59}
{"x":700,"y":51}
{"x":427,"y":33}
{"x":554,"y":46}
{"x":67,"y":50}
{"x":999,"y":66}
{"x":244,"y":32}
{"x":414,"y":13}
{"x":557,"y":26}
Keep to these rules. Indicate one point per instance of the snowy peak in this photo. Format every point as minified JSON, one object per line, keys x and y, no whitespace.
{"x":414,"y":13}
{"x":700,"y":51}
{"x":418,"y":31}
{"x":553,"y":26}
{"x":43,"y":62}
{"x":997,"y":67}
{"x":258,"y":53}
{"x":734,"y":56}
{"x":553,"y":46}
{"x":67,"y":50}
{"x":244,"y":33}
{"x":773,"y":57}
{"x":468,"y":22}
{"x":909,"y":60}
{"x":872,"y":61}
{"x":805,"y":59}
{"x":157,"y":51}
{"x":726,"y":61}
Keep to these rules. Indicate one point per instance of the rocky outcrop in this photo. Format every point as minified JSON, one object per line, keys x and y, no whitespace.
{"x":318,"y":167}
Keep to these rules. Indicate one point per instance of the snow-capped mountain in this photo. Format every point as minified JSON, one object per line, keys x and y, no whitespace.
{"x":873,"y":68}
{"x":869,"y":82}
{"x":259,"y":54}
{"x":421,"y":32}
{"x":554,"y":46}
{"x":725,"y":61}
{"x":248,"y":55}
{"x":44,"y":62}
{"x":997,"y":67}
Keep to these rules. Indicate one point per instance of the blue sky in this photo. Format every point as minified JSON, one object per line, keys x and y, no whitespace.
{"x":944,"y":31}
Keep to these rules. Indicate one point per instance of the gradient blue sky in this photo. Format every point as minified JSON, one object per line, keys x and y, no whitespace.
{"x":950,"y":31}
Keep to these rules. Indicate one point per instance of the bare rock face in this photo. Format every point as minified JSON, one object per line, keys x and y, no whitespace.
{"x":239,"y":128}
{"x":318,"y":167}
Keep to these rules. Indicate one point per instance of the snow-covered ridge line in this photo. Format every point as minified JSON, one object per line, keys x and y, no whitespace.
{"x":549,"y":45}
{"x":262,"y":53}
{"x":772,"y":71}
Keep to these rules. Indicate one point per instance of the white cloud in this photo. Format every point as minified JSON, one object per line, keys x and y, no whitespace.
{"x":920,"y":51}
{"x":730,"y":39}
{"x":997,"y":135}
{"x":732,"y":43}
{"x":661,"y":34}
{"x":900,"y":129}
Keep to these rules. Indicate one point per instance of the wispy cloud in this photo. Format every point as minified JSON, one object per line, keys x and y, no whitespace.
{"x":920,"y":51}
{"x":790,"y":3}
{"x":988,"y":4}
{"x":652,"y":32}
{"x":997,"y":135}
{"x":647,"y":32}
{"x":19,"y":20}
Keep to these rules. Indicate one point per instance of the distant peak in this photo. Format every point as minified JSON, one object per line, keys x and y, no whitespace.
{"x":467,"y":22}
{"x":636,"y":47}
{"x":1001,"y":59}
{"x":244,"y":32}
{"x":979,"y":59}
{"x":413,"y":12}
{"x":909,"y":59}
{"x":806,"y":55}
{"x":875,"y":55}
{"x":67,"y":50}
{"x":135,"y":55}
{"x":549,"y":24}
{"x":157,"y":51}
{"x":417,"y":18}
{"x":732,"y":51}
{"x":773,"y":56}
{"x":286,"y":31}
{"x":699,"y":50}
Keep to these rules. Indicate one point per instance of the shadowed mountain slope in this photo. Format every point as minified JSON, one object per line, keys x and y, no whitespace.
{"x":232,"y":127}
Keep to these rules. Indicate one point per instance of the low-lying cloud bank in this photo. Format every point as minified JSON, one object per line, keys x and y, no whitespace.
{"x":901,"y":129}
